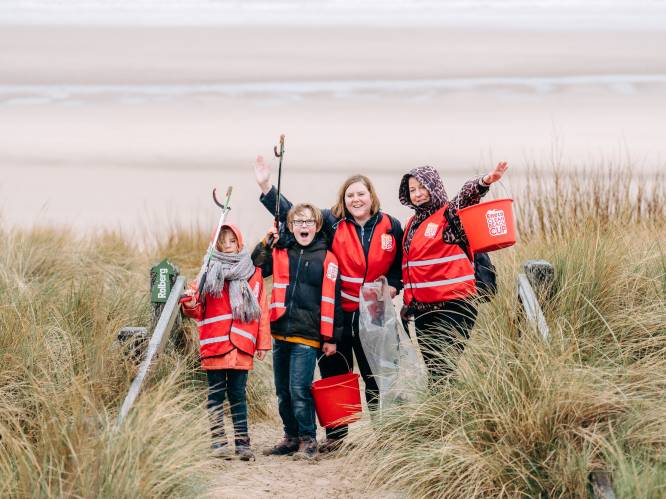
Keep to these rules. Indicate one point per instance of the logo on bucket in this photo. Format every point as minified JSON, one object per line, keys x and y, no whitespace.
{"x":387,"y":242}
{"x":496,"y":222}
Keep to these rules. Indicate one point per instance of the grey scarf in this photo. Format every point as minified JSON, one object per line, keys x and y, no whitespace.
{"x":236,"y":268}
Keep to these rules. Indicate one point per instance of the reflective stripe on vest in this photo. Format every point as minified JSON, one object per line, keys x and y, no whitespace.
{"x":217,"y":318}
{"x":244,"y":334}
{"x":277,"y":306}
{"x":354,"y":269}
{"x":445,"y":282}
{"x":432,"y":261}
{"x":216,"y":339}
{"x":432,"y":270}
{"x":350,"y":297}
{"x":280,"y":283}
{"x":220,"y":333}
{"x":328,"y":295}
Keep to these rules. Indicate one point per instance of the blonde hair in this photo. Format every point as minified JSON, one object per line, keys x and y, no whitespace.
{"x":299,"y":208}
{"x":340,"y":210}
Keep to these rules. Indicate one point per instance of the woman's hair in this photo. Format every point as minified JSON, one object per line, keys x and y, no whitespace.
{"x":299,"y":208}
{"x":340,"y":210}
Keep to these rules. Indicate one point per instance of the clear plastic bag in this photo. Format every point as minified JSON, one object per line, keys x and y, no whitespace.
{"x":390,"y":352}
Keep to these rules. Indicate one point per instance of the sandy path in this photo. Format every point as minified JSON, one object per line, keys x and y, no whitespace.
{"x":284,"y":477}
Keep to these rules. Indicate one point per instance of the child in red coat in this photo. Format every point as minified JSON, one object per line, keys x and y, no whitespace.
{"x":232,"y":317}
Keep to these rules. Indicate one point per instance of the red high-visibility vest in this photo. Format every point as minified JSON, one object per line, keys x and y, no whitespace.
{"x":433,"y":271}
{"x":219,"y":333}
{"x":281,"y":281}
{"x":354,"y":269}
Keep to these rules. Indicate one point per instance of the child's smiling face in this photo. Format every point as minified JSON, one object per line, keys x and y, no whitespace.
{"x":304,"y":227}
{"x":227,"y":242}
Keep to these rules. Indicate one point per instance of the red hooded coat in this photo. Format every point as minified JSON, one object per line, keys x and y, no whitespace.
{"x":234,"y":358}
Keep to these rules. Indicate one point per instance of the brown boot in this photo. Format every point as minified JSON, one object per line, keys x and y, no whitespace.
{"x":286,"y":447}
{"x":243,"y":449}
{"x":330,"y":445}
{"x":307,"y":449}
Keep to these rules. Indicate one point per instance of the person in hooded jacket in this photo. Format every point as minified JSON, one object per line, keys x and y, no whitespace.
{"x":306,"y":316}
{"x":366,"y":242}
{"x":438,"y":276}
{"x":232,"y":318}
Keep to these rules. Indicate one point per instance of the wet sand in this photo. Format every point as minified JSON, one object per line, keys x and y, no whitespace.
{"x":132,"y":127}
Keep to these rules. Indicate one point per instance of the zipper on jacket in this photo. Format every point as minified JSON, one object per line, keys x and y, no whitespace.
{"x":293,"y":290}
{"x":372,"y":233}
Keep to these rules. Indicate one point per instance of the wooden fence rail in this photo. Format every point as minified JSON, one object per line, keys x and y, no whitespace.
{"x":156,"y":345}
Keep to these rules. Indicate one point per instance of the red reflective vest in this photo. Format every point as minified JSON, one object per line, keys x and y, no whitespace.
{"x":354,"y":269}
{"x":219,"y":333}
{"x":433,"y":271}
{"x":281,"y":281}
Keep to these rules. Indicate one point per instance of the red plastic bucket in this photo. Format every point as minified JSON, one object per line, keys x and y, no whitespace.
{"x":489,"y":226}
{"x":337,"y":400}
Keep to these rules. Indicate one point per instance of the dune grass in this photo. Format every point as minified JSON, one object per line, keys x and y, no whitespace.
{"x":528,"y":418}
{"x":522,"y":418}
{"x":63,"y":377}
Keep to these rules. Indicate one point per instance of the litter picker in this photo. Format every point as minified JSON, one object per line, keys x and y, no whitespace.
{"x":280,"y":155}
{"x":225,"y":211}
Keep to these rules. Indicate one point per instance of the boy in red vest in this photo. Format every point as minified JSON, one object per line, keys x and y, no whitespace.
{"x":306,"y":316}
{"x":232,"y":318}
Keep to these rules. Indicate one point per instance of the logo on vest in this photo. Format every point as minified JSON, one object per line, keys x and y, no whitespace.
{"x":255,"y":291}
{"x":387,"y":242}
{"x":332,"y":271}
{"x":431,"y":230}
{"x":496,"y":222}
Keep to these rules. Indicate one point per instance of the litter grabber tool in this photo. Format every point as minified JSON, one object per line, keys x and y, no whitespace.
{"x":279,"y":155}
{"x":223,"y":216}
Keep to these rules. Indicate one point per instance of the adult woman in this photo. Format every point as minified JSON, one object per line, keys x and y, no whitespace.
{"x":366,"y":243}
{"x":438,"y":275}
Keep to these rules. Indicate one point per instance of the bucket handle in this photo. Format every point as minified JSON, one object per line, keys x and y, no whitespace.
{"x":345,"y":359}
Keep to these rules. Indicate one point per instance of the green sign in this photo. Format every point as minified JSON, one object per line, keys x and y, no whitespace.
{"x":162,"y":277}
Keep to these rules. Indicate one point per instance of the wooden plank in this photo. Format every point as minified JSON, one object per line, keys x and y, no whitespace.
{"x":530,"y":303}
{"x":156,"y":345}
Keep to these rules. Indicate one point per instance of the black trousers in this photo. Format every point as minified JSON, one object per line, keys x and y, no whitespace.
{"x":231,"y":384}
{"x":348,"y":346}
{"x":443,"y":332}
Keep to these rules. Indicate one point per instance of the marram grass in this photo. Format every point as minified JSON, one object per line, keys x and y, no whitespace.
{"x":63,"y":298}
{"x":528,"y":418}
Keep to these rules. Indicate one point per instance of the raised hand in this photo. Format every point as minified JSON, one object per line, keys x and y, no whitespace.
{"x":262,"y":173}
{"x":497,"y":173}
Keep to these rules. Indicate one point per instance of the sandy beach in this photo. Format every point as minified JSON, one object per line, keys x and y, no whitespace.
{"x":132,"y":126}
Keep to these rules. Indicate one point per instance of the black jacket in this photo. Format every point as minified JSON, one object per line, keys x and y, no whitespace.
{"x":303,"y":298}
{"x":394,"y":276}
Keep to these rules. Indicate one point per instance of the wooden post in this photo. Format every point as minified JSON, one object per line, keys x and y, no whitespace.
{"x":530,"y":303}
{"x":601,"y":485}
{"x":541,"y":275}
{"x":535,"y":286}
{"x":536,"y":283}
{"x":156,"y":345}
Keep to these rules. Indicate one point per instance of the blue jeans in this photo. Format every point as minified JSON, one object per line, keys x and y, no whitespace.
{"x":293,"y":368}
{"x":229,"y":383}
